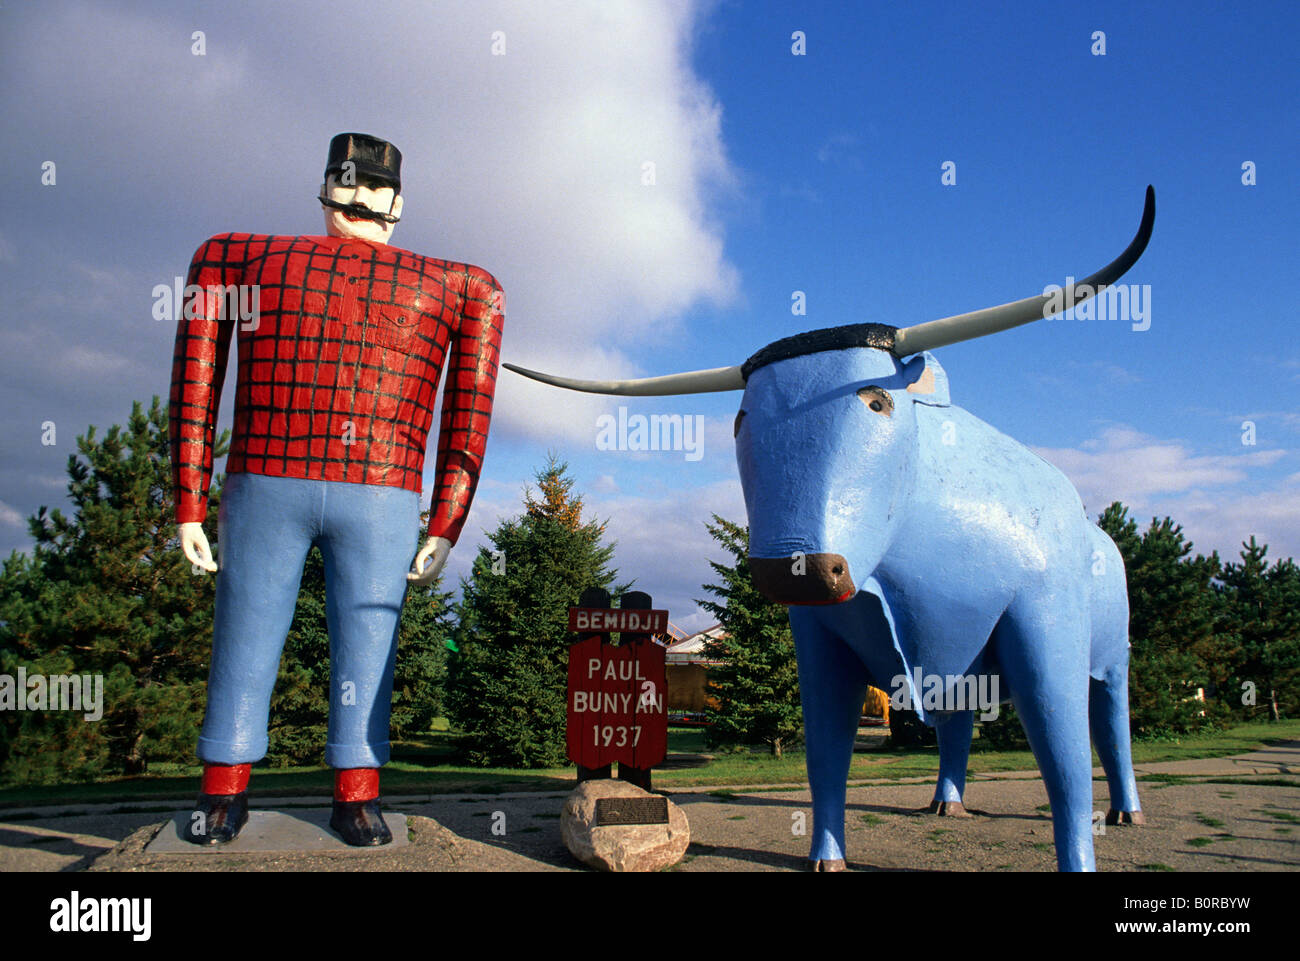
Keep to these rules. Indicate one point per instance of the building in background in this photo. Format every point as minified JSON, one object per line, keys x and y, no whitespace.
{"x":687,"y":668}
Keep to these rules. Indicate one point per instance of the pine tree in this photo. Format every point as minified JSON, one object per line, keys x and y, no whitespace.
{"x":1265,"y":607}
{"x":108,"y":592}
{"x":1175,"y":627}
{"x":756,"y":685}
{"x":1283,"y":664}
{"x":507,"y":683}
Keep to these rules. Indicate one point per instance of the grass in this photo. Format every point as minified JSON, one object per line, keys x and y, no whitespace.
{"x":428,"y":767}
{"x":1157,"y":866}
{"x":1168,"y":780}
{"x":1209,"y":822}
{"x":1200,"y":842}
{"x":1282,"y":816}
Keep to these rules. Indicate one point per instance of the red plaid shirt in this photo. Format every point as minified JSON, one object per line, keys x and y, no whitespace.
{"x":339,"y":369}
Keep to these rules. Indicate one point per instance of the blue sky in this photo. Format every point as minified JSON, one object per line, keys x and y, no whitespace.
{"x":774,"y":173}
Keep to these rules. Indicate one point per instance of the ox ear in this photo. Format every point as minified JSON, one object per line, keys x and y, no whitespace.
{"x":926,"y":380}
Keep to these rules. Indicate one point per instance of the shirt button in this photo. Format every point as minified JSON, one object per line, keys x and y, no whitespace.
{"x":352,"y":280}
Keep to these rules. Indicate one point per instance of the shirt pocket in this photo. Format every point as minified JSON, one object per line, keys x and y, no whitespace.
{"x":396,"y":327}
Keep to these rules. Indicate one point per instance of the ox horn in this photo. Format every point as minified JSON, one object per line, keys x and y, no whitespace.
{"x":691,"y":382}
{"x":951,"y":330}
{"x":906,"y":340}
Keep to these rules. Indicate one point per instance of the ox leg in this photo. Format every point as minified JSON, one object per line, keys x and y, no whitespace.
{"x":1108,"y":713}
{"x":954,"y":733}
{"x":832,"y":687}
{"x":1044,"y":654}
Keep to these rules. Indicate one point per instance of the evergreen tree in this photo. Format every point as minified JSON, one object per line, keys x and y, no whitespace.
{"x":1265,"y":608}
{"x":507,"y":685}
{"x":300,"y":704}
{"x":1176,"y":627}
{"x":108,"y":592}
{"x":756,"y":685}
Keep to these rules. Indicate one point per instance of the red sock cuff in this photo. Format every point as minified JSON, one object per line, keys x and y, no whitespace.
{"x":356,"y":784}
{"x":225,"y":778}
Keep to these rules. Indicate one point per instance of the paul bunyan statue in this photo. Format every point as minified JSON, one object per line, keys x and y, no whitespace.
{"x":334,"y":397}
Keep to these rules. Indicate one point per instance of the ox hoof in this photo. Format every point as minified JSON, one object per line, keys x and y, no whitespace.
{"x":1125,"y":817}
{"x":949,"y":809}
{"x":835,"y":865}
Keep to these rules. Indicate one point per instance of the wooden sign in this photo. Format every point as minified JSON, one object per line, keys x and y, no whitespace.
{"x":595,"y":620}
{"x":617,"y":696}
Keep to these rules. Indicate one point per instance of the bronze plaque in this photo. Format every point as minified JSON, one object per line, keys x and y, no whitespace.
{"x":631,"y":810}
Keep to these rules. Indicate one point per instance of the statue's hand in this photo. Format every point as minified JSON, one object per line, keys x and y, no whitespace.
{"x":195,"y":545}
{"x":435,"y":551}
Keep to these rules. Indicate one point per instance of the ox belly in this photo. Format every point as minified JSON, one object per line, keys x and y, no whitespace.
{"x":989,"y":523}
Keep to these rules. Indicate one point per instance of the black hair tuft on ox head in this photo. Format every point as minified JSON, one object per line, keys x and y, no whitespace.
{"x":880,"y":336}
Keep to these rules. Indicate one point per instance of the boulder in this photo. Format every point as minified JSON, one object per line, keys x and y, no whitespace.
{"x":621,"y":847}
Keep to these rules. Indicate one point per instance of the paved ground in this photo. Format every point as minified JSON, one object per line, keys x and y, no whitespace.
{"x":1202,"y":826}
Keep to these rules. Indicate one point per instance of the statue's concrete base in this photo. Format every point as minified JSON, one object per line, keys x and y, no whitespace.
{"x":289,"y":831}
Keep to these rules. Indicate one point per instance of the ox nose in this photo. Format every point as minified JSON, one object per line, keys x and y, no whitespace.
{"x":810,"y":579}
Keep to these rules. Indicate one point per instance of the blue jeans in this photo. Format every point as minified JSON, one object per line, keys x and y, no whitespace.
{"x":366,"y":534}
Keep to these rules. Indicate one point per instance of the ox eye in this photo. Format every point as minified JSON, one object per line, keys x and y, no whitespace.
{"x":735,"y":431}
{"x":878,"y":400}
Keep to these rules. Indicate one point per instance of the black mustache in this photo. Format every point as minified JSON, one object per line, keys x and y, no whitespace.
{"x":357,"y":209}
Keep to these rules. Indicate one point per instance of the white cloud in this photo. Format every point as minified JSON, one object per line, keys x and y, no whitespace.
{"x":530,"y":164}
{"x":699,"y":621}
{"x":841,"y":148}
{"x":662,"y":541}
{"x":1221,"y":500}
{"x":524,"y":407}
{"x":1113,"y":373}
{"x":1127,"y":465}
{"x":11,"y":518}
{"x":1223,"y":523}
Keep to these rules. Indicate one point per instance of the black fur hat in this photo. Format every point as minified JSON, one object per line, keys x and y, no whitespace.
{"x":373,"y":157}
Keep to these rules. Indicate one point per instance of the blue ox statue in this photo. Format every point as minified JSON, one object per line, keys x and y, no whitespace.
{"x":911,"y":538}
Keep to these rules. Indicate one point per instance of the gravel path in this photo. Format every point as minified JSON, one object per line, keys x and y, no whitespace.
{"x":1198,"y":826}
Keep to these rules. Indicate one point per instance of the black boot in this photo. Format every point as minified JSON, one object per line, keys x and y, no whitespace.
{"x":360,"y":823}
{"x":223,"y":817}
